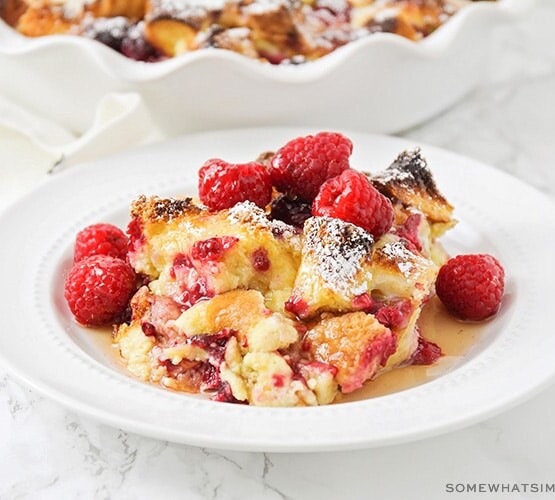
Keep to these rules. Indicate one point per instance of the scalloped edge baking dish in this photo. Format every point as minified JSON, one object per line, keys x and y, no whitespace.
{"x":380,"y":83}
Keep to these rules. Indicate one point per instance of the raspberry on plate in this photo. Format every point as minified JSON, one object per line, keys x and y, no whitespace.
{"x":100,"y":239}
{"x":352,"y":198}
{"x":471,"y":286}
{"x":222,"y":185}
{"x":301,"y":166}
{"x":98,"y":289}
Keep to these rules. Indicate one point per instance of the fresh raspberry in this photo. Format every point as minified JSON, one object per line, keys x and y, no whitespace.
{"x":301,"y":166}
{"x":471,"y":286}
{"x":98,"y":289}
{"x":100,"y":239}
{"x":352,"y":198}
{"x":222,"y":185}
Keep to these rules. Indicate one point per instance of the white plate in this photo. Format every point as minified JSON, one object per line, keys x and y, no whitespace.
{"x":42,"y":346}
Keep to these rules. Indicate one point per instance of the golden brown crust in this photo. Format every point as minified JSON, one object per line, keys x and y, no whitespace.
{"x":275,"y":30}
{"x":409,"y":180}
{"x":133,"y":9}
{"x":272,"y":30}
{"x":412,"y":19}
{"x":346,"y":343}
{"x":237,"y":309}
{"x":12,"y":10}
{"x":140,"y":303}
{"x":156,"y":209}
{"x":39,"y":21}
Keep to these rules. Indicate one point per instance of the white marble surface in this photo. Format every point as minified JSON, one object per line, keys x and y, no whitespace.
{"x":47,"y":452}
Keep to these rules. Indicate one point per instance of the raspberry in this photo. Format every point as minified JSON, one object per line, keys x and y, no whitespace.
{"x":426,"y":353}
{"x":471,"y":286}
{"x":396,"y":315}
{"x":100,"y":239}
{"x":409,"y":231}
{"x":135,"y":230}
{"x":222,"y":185}
{"x":212,"y":249}
{"x":260,"y":260}
{"x":301,"y":166}
{"x":98,"y":289}
{"x":352,"y":198}
{"x":296,"y":305}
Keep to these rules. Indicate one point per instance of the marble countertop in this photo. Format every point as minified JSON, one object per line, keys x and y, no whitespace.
{"x":48,"y":452}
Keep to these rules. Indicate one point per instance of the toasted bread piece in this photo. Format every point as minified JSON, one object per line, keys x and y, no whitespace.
{"x":231,"y":340}
{"x":355,"y":343}
{"x":43,"y":17}
{"x":332,"y":270}
{"x":173,"y":26}
{"x":274,"y":31}
{"x":236,"y":39}
{"x":171,"y":37}
{"x":340,"y":263}
{"x":255,"y":252}
{"x":132,"y":9}
{"x":40,"y":21}
{"x":409,"y":180}
{"x":12,"y":10}
{"x":256,"y":327}
{"x":412,"y":19}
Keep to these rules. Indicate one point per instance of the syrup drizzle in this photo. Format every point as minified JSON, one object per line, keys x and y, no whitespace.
{"x":455,"y":339}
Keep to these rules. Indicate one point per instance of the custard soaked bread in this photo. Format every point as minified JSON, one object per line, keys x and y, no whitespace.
{"x":250,"y":309}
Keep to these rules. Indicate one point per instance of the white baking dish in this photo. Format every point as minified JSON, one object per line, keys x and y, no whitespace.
{"x":381,"y":83}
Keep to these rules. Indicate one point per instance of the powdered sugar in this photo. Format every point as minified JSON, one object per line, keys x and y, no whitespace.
{"x":72,"y":8}
{"x":338,"y":250}
{"x":404,"y":168}
{"x":247,"y":212}
{"x":189,"y":11}
{"x":137,"y":31}
{"x":115,"y":27}
{"x":259,"y":7}
{"x":385,"y":15}
{"x":333,"y":5}
{"x":403,"y":258}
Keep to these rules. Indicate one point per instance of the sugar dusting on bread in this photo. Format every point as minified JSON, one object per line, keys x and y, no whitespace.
{"x":338,"y":250}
